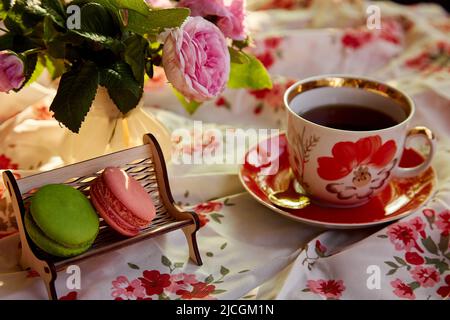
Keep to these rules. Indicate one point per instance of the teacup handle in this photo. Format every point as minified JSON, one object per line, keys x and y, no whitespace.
{"x":429,"y":136}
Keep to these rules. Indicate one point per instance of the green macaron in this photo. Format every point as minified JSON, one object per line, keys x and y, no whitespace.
{"x":61,"y":221}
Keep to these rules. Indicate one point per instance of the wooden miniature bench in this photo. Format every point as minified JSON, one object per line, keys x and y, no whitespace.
{"x":146,"y":164}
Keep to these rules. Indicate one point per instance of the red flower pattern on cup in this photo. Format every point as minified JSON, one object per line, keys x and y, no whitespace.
{"x":6,"y":163}
{"x":200,"y":290}
{"x":358,"y":158}
{"x":443,"y":222}
{"x":444,"y":291}
{"x":403,"y":236}
{"x":154,"y":282}
{"x":125,"y":289}
{"x":427,"y":277}
{"x":330,"y":289}
{"x":403,"y":290}
{"x":414,"y":258}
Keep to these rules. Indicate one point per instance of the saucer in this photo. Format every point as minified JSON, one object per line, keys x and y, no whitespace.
{"x":399,"y":199}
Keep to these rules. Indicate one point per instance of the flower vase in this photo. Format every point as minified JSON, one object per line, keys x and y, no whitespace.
{"x":105,"y":130}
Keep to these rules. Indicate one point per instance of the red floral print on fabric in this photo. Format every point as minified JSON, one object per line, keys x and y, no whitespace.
{"x":426,"y":276}
{"x":403,"y":290}
{"x":424,"y":258}
{"x":443,"y":222}
{"x":42,"y":112}
{"x":414,"y":258}
{"x":444,"y":291}
{"x":125,"y":289}
{"x":6,"y":163}
{"x":330,"y":289}
{"x":403,"y":236}
{"x":203,"y":209}
{"x":200,"y":290}
{"x":348,"y":156}
{"x":181,"y":281}
{"x":266,"y":58}
{"x":435,"y":58}
{"x":154,"y":282}
{"x":392,"y":31}
{"x":201,"y":144}
{"x":73,"y":295}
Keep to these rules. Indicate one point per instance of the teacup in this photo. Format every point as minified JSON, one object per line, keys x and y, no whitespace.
{"x":346,"y":167}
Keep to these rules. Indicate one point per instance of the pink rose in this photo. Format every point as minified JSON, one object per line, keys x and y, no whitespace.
{"x":11,"y":71}
{"x":229,"y":16}
{"x":232,"y":25}
{"x":159,"y":3}
{"x":196,"y":59}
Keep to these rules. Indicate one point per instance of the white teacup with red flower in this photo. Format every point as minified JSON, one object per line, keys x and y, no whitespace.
{"x":346,"y":136}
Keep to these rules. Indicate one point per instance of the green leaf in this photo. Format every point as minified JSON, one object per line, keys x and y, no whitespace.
{"x":237,"y":56}
{"x":23,"y":17}
{"x":391,"y":272}
{"x":122,"y":87}
{"x":400,"y":261}
{"x":133,"y":266}
{"x":244,"y":271}
{"x":429,"y":244}
{"x":306,"y":290}
{"x":76,"y":92}
{"x":224,"y":271}
{"x":178,"y":264}
{"x":382,"y":236}
{"x":135,"y":54}
{"x":5,"y":5}
{"x":209,"y":279}
{"x":55,"y":10}
{"x":391,"y":264}
{"x":219,"y":291}
{"x":250,"y":75}
{"x":209,"y":254}
{"x":166,"y":262}
{"x":216,"y":217}
{"x":143,"y":20}
{"x":443,"y":243}
{"x":98,"y":20}
{"x":441,"y":265}
{"x":55,"y":67}
{"x":190,"y":106}
{"x":223,"y":246}
{"x":30,"y":62}
{"x":414,"y":285}
{"x":40,"y":67}
{"x":7,"y":41}
{"x":156,"y":21}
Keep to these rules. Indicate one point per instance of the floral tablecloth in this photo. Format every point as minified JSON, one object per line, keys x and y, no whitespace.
{"x":250,"y":252}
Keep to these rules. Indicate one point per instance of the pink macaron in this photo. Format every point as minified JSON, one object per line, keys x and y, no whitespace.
{"x":122,"y":202}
